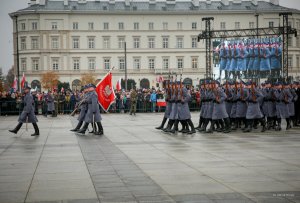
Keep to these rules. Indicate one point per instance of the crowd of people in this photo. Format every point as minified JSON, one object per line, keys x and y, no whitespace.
{"x":64,"y":102}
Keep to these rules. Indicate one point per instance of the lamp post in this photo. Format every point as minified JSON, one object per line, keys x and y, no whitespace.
{"x":125,"y":51}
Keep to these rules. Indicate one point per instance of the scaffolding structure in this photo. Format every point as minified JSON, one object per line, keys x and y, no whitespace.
{"x":283,"y":31}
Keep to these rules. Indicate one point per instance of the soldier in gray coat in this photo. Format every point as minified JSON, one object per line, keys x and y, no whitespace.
{"x":50,"y":104}
{"x":268,"y":106}
{"x":253,"y":111}
{"x":83,"y":109}
{"x":203,"y":107}
{"x":283,"y":98}
{"x":173,"y":117}
{"x":241,"y":106}
{"x":93,"y":112}
{"x":168,"y":107}
{"x":27,"y":115}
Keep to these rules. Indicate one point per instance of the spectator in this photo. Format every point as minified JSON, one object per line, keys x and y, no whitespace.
{"x":153,"y":100}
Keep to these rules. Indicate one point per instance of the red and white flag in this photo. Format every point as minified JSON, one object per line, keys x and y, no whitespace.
{"x":23,"y":81}
{"x":105,"y":91}
{"x":15,"y":84}
{"x":118,"y":86}
{"x":62,"y":89}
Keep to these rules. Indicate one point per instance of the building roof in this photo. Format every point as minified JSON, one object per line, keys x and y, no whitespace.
{"x":158,"y":6}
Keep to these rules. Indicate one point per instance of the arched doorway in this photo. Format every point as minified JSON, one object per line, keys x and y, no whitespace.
{"x":35,"y":84}
{"x":76,"y":85}
{"x":130,"y":83}
{"x":145,"y":83}
{"x":188,"y":81}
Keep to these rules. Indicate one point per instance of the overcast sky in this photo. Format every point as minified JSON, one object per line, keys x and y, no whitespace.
{"x":6,"y":43}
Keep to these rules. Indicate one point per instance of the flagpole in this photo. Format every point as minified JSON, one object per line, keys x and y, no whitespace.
{"x":125,"y":50}
{"x":18,"y":65}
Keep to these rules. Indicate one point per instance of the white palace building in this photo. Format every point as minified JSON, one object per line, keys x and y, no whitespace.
{"x":76,"y":37}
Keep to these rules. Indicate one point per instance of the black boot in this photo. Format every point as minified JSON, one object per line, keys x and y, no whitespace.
{"x":77,"y":127}
{"x":278,"y":128}
{"x":83,"y":129}
{"x":100,"y":129}
{"x":175,"y":128}
{"x":162,"y":124}
{"x":288,"y":124}
{"x":190,"y":123}
{"x":36,"y":130}
{"x":200,"y":124}
{"x":186,"y":127}
{"x":211,"y":129}
{"x":17,"y":128}
{"x":227,"y":125}
{"x":53,"y":114}
{"x":263,"y":123}
{"x":249,"y":126}
{"x":205,"y":123}
{"x":221,"y":126}
{"x":235,"y":126}
{"x":169,"y":127}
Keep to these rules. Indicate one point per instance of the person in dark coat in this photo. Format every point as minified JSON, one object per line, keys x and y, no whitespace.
{"x":283,"y":97}
{"x":296,"y":118}
{"x":93,"y":112}
{"x":27,"y":115}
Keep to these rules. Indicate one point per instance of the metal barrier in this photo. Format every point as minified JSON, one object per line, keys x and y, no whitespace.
{"x":10,"y":107}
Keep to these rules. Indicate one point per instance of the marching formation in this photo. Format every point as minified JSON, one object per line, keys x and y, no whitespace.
{"x":232,"y":106}
{"x":250,"y":58}
{"x":89,"y":112}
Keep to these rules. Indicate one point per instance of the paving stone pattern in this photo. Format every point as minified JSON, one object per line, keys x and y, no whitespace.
{"x":133,"y":162}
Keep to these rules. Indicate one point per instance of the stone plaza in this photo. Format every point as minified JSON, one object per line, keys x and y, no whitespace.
{"x":134,"y":162}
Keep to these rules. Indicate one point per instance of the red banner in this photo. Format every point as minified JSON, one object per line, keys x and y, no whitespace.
{"x":105,"y":91}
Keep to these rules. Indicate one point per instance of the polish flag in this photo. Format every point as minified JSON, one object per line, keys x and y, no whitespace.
{"x":118,"y":86}
{"x":15,"y":84}
{"x":23,"y":81}
{"x":105,"y":91}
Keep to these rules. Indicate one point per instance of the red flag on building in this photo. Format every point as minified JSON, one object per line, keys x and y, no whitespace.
{"x":23,"y":81}
{"x":105,"y":91}
{"x":118,"y":86}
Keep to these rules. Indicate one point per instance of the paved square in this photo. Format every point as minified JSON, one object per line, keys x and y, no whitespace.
{"x":133,"y":162}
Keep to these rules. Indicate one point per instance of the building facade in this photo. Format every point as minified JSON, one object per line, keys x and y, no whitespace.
{"x":76,"y":37}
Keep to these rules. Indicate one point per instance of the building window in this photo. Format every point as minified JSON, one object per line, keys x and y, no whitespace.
{"x":194,"y":26}
{"x":121,"y":26}
{"x":91,"y":42}
{"x":136,"y":26}
{"x":165,"y":63}
{"x":23,"y":43}
{"x":34,"y":25}
{"x":136,"y":63}
{"x":106,"y":43}
{"x":298,"y":41}
{"x":194,"y":62}
{"x":165,"y":42}
{"x":271,"y":24}
{"x":75,"y":26}
{"x":35,"y":64}
{"x":55,"y":64}
{"x":121,"y":63}
{"x":237,"y":25}
{"x":54,"y":25}
{"x":165,"y":26}
{"x":54,"y":43}
{"x":290,"y":62}
{"x":91,"y":26}
{"x":76,"y":64}
{"x":251,"y":25}
{"x":298,"y":25}
{"x":34,"y":43}
{"x":151,"y":26}
{"x":23,"y":26}
{"x":106,"y":63}
{"x":298,"y":62}
{"x":151,"y":63}
{"x":105,"y":26}
{"x":23,"y":64}
{"x":136,"y":42}
{"x":92,"y":63}
{"x":179,"y":63}
{"x":179,"y":42}
{"x":151,"y":42}
{"x":179,"y":25}
{"x":194,"y":42}
{"x":75,"y":43}
{"x":223,"y":25}
{"x":121,"y":42}
{"x":290,"y":41}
